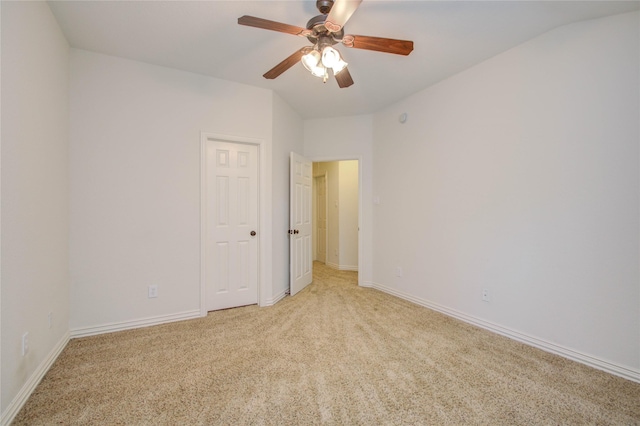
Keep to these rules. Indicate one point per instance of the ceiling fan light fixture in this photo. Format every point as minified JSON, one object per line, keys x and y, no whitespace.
{"x":339,"y":66}
{"x":330,"y":57}
{"x":313,"y":63}
{"x":324,"y":31}
{"x":311,"y":60}
{"x":319,"y":71}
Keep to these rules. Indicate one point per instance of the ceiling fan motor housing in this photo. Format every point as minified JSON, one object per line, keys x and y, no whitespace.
{"x":318,"y":30}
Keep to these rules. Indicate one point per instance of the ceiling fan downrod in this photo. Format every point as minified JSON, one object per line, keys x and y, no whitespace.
{"x":324,"y":6}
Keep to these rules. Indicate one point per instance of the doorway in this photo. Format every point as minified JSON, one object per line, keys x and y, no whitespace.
{"x":320,"y":215}
{"x":336,"y":213}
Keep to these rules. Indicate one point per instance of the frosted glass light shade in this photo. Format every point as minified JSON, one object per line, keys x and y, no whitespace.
{"x":339,"y":66}
{"x":330,"y":57}
{"x":311,"y":60}
{"x":318,"y":71}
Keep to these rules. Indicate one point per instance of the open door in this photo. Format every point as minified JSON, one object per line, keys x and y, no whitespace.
{"x":300,"y":261}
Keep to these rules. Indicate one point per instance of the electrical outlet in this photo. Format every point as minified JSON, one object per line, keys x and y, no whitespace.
{"x":399,"y":271}
{"x":50,"y":319}
{"x":485,"y":294}
{"x":153,"y":291}
{"x":25,"y":343}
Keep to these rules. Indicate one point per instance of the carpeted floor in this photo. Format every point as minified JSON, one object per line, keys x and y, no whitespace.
{"x":333,"y":354}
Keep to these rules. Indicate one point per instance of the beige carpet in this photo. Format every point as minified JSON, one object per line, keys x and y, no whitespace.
{"x":333,"y":354}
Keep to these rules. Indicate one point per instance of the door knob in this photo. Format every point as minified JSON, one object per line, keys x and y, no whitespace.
{"x":253,"y":233}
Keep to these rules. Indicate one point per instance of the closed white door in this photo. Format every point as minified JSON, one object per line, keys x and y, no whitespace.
{"x":300,"y":227}
{"x":231,"y":225}
{"x":321,"y":218}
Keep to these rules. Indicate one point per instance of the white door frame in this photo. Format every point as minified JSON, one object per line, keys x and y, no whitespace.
{"x":264,"y":215}
{"x":360,"y":207}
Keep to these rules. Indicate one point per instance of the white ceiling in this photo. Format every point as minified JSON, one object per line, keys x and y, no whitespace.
{"x":204,"y":37}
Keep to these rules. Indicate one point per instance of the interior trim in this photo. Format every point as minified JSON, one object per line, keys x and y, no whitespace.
{"x":139,"y":323}
{"x":600,"y":364}
{"x":30,"y":385}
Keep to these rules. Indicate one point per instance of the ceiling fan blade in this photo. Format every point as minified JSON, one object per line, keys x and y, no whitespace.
{"x":252,"y":21}
{"x":284,"y":65}
{"x":344,"y":78}
{"x":379,"y":44}
{"x":340,"y":13}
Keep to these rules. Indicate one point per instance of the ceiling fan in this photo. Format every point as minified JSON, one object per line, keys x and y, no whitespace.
{"x":324,"y":31}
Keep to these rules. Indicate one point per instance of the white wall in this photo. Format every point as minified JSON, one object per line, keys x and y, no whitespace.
{"x":351,"y":138}
{"x":348,"y":214}
{"x":287,"y":137}
{"x":521,"y":175}
{"x":35,"y":192}
{"x":135,"y":183}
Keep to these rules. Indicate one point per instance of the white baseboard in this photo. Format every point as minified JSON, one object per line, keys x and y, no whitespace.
{"x":367,"y":284}
{"x":139,"y":323}
{"x":600,"y":364}
{"x":275,"y":299}
{"x":348,"y":268}
{"x":342,"y":267}
{"x":21,"y":398}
